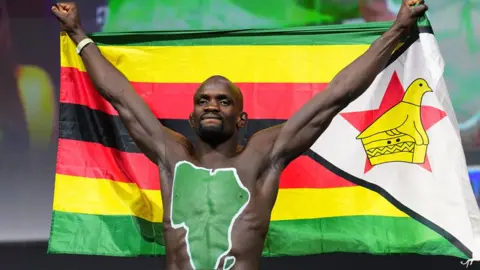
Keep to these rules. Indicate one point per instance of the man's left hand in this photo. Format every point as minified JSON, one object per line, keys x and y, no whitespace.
{"x":409,"y":12}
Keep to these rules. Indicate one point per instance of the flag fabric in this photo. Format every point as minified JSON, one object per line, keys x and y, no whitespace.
{"x":388,"y":175}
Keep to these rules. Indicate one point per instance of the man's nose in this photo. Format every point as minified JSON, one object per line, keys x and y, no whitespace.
{"x":211,"y":107}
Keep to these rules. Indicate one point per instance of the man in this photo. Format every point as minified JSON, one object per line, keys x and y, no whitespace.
{"x":218,"y":197}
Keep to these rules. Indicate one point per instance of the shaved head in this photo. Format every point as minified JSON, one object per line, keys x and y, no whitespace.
{"x":218,"y":81}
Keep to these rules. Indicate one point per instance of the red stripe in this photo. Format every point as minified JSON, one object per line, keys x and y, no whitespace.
{"x":174,"y":100}
{"x":93,"y":160}
{"x":305,"y":172}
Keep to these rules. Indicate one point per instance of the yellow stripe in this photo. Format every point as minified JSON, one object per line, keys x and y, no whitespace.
{"x":105,"y":197}
{"x":331,"y":202}
{"x":183,"y":64}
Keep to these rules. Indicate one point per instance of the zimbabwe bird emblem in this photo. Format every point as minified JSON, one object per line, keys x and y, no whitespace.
{"x":399,"y":135}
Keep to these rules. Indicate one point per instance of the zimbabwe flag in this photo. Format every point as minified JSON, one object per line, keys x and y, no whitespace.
{"x":343,"y":195}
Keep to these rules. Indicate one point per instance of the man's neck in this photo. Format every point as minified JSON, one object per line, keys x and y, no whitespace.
{"x":216,"y":154}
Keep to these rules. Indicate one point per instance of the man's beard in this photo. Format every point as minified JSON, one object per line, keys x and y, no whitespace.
{"x":213,"y":135}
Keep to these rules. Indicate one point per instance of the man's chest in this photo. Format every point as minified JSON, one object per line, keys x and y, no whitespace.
{"x":205,"y":191}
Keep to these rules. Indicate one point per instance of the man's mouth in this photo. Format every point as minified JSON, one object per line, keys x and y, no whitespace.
{"x":210,"y":117}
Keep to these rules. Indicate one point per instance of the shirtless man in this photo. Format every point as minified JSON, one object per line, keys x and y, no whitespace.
{"x":218,"y":197}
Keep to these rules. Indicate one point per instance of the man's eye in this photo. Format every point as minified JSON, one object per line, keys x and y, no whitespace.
{"x":202,"y":102}
{"x":224,"y":102}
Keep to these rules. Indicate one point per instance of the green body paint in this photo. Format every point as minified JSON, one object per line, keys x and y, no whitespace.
{"x":206,"y":204}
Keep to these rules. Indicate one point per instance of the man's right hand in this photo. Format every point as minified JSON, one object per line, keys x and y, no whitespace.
{"x":67,"y":15}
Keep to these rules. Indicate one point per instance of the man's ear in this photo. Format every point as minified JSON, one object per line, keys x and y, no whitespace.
{"x":242,"y":120}
{"x":190,"y":120}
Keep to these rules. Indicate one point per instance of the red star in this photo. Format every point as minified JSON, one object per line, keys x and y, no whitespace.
{"x":394,"y":94}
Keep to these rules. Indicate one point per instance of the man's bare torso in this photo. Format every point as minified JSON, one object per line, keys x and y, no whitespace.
{"x":225,"y":206}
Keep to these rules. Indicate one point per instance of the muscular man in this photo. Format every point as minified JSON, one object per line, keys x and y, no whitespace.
{"x":218,"y":197}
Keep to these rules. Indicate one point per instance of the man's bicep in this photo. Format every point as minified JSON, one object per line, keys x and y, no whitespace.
{"x":150,"y":136}
{"x":142,"y":139}
{"x":301,"y":131}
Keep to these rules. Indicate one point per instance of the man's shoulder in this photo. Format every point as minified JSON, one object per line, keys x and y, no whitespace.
{"x":256,"y":160}
{"x":177,"y":145}
{"x":176,"y":150}
{"x":257,"y":152}
{"x":262,"y":141}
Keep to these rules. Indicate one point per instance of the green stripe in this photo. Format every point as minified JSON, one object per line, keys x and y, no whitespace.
{"x":343,"y":34}
{"x":131,"y":236}
{"x":358,"y":234}
{"x":74,"y":233}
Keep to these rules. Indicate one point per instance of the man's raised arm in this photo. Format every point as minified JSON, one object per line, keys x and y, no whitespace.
{"x":299,"y":133}
{"x":145,"y":129}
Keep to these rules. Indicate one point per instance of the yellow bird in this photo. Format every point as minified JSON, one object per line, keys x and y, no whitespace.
{"x":398,"y":135}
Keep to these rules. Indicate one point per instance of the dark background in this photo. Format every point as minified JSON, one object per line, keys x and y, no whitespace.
{"x":27,"y":169}
{"x":32,"y":256}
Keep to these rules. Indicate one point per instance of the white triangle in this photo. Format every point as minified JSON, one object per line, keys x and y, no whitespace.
{"x":443,"y":196}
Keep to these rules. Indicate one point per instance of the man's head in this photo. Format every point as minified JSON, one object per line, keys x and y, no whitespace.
{"x":217,"y":110}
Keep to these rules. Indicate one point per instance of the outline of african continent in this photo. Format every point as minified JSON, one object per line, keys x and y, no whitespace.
{"x":206,"y":203}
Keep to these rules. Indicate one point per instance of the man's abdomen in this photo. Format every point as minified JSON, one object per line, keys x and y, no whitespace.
{"x":246,"y":239}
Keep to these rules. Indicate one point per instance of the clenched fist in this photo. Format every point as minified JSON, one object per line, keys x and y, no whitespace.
{"x":409,"y":12}
{"x":67,"y":15}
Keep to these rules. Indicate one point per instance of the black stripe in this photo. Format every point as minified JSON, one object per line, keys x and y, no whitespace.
{"x":81,"y":123}
{"x":426,"y":29}
{"x":78,"y":122}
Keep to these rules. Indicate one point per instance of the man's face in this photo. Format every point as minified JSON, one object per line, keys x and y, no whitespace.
{"x":217,"y":113}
